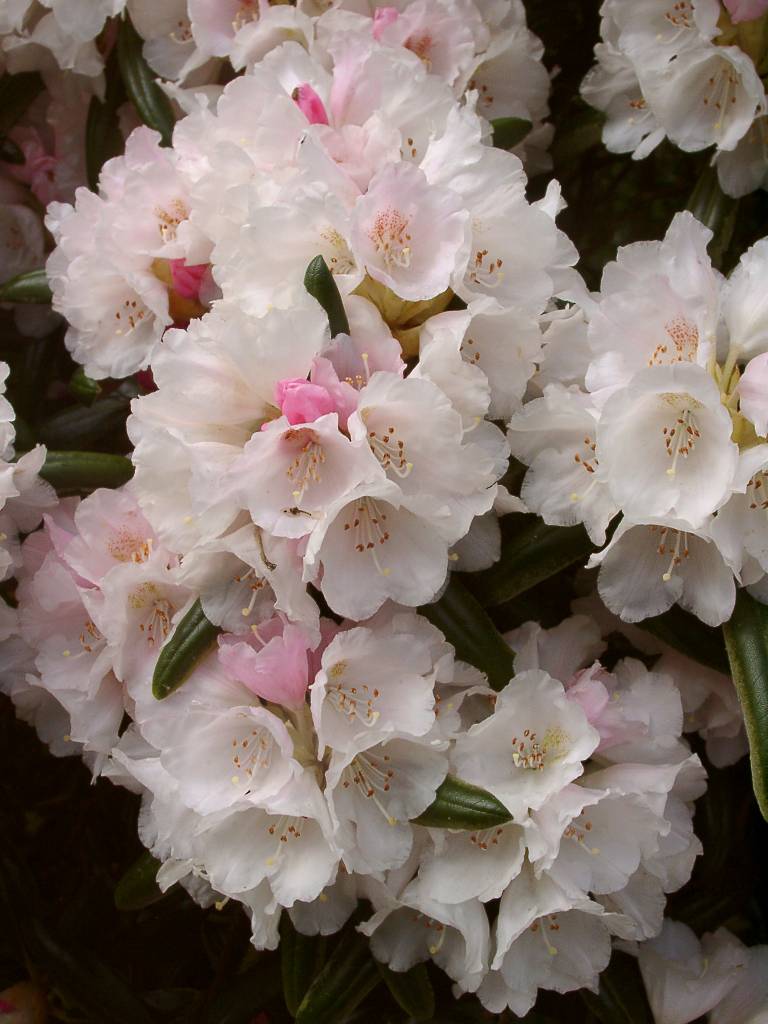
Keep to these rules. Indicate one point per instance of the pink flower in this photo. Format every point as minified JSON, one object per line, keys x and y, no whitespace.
{"x":746,"y":10}
{"x":39,"y":168}
{"x":753,"y":392}
{"x":272,"y":662}
{"x":187,"y":279}
{"x":310,"y":104}
{"x":302,"y":402}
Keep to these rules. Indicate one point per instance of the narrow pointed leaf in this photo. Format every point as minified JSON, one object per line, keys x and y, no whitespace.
{"x":85,"y":471}
{"x":412,"y":990}
{"x":461,"y":805}
{"x":81,"y":426}
{"x":509,"y":131}
{"x":347,"y":978}
{"x":153,"y":106}
{"x":82,"y":387}
{"x":532,"y":555}
{"x":103,"y":138}
{"x":138,"y":887}
{"x":319,"y":282}
{"x":690,"y":636}
{"x":190,"y":641}
{"x":301,"y":958}
{"x":469,"y":628}
{"x":16,"y":94}
{"x":746,"y":640}
{"x":30,"y":287}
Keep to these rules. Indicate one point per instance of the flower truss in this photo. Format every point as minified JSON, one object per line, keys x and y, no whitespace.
{"x":652,"y":408}
{"x":359,"y":357}
{"x":689,"y":71}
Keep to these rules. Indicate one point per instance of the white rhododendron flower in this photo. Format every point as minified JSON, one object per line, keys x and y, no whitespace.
{"x":653,"y":430}
{"x":687,"y":72}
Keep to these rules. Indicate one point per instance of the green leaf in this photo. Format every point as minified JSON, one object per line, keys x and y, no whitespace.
{"x":461,"y":805}
{"x":347,"y":978}
{"x":301,"y":957}
{"x":319,"y":282}
{"x":79,"y":427}
{"x":152,"y":104}
{"x":412,"y":990}
{"x":746,"y":640}
{"x":690,"y":636}
{"x":30,"y":287}
{"x":103,"y":138}
{"x":82,"y":387}
{"x":509,"y":131}
{"x":717,"y":211}
{"x":469,"y":628}
{"x":533,"y":554}
{"x":16,"y":93}
{"x":138,"y":887}
{"x":621,"y":998}
{"x":191,"y":640}
{"x":72,"y":472}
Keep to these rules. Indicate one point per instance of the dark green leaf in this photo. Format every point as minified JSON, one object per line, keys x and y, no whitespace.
{"x":533,"y":554}
{"x":319,"y":282}
{"x":103,"y":138}
{"x":30,"y":287}
{"x":16,"y":93}
{"x":138,"y":887}
{"x":85,"y":979}
{"x":347,"y":978}
{"x":301,"y":957}
{"x":191,"y":640}
{"x":412,"y":990}
{"x":468,"y":627}
{"x":152,"y":104}
{"x":690,"y":636}
{"x":82,"y":387}
{"x":746,"y":639}
{"x":509,"y":131}
{"x":621,"y":998}
{"x":461,"y":805}
{"x":81,"y":426}
{"x":71,"y":472}
{"x":243,"y":997}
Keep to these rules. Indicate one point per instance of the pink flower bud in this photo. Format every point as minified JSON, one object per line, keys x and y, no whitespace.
{"x":310,"y":104}
{"x":302,"y":402}
{"x":187,"y":279}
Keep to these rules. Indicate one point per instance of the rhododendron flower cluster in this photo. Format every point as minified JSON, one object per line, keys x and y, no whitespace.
{"x":287,"y":770}
{"x":378,"y":554}
{"x":653,"y":365}
{"x":689,"y":71}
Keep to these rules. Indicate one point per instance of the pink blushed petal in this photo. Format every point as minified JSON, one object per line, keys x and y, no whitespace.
{"x":302,"y":402}
{"x":382,"y":18}
{"x":279,"y":671}
{"x":187,"y":279}
{"x":746,"y":10}
{"x":310,"y":104}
